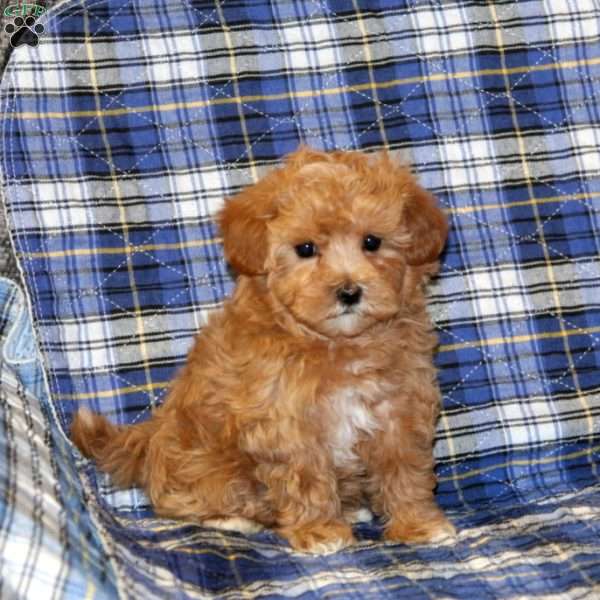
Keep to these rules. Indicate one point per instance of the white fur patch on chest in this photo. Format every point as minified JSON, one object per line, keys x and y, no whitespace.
{"x":351,"y":417}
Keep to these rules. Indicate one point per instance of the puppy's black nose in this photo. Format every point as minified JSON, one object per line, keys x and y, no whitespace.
{"x":349,"y":294}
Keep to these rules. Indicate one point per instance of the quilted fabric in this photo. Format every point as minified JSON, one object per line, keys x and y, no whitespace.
{"x":125,"y":129}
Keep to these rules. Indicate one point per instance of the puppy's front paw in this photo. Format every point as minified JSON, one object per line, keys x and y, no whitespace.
{"x":323,"y":538}
{"x":434,"y":529}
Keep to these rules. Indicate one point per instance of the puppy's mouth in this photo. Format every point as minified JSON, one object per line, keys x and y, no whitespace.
{"x":348,"y":321}
{"x":354,"y":319}
{"x":346,"y":310}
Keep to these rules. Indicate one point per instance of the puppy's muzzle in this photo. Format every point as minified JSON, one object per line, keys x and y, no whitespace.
{"x":349,"y":294}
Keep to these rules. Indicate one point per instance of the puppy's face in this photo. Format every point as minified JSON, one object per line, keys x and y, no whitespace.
{"x":335,"y":256}
{"x":334,"y":235}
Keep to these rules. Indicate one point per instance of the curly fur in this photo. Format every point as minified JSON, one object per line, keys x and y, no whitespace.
{"x":293,"y":411}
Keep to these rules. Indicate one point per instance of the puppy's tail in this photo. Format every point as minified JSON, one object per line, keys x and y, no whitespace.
{"x":118,"y":450}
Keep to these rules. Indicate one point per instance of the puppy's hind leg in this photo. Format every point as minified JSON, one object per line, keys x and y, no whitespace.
{"x":222,"y":498}
{"x":240,"y":524}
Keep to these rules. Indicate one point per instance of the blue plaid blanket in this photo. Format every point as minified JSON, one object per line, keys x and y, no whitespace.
{"x":122,"y":132}
{"x":49,"y":546}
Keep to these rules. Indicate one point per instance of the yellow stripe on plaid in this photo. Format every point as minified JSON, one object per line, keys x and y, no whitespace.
{"x":217,"y":240}
{"x":521,"y":463}
{"x":518,"y":339}
{"x":124,"y":249}
{"x":563,"y":334}
{"x":569,"y":64}
{"x":118,"y":195}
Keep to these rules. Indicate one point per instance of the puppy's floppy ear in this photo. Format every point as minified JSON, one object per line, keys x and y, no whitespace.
{"x":243,"y":223}
{"x":427,"y":225}
{"x":244,"y":218}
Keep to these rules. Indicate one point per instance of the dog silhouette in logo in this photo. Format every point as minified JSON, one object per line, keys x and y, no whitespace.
{"x":24,"y":31}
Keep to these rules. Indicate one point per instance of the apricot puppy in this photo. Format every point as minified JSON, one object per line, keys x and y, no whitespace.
{"x":312,"y":393}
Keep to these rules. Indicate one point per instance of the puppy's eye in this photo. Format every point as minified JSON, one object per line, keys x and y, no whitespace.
{"x":371,"y":243}
{"x":306,"y":249}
